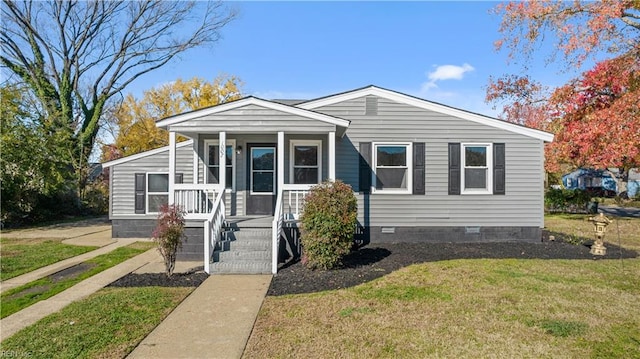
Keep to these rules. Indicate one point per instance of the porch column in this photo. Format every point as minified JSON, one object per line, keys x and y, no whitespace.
{"x":332,"y":156}
{"x":196,"y":159}
{"x":172,"y":166}
{"x":222,"y":153}
{"x":280,"y":159}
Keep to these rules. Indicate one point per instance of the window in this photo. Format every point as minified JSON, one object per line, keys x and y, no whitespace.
{"x":305,"y":162}
{"x":157,"y":191}
{"x":476,"y":168}
{"x":392,"y":167}
{"x":212,"y":162}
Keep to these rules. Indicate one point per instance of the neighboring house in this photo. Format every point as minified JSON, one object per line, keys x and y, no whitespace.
{"x":591,"y":179}
{"x":421,"y":172}
{"x":633,"y":185}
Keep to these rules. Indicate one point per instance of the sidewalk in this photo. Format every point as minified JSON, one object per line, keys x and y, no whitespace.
{"x":215,"y":321}
{"x":30,"y":315}
{"x":64,"y":264}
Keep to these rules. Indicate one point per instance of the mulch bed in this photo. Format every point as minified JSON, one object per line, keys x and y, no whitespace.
{"x":190,"y":279}
{"x":376,"y":260}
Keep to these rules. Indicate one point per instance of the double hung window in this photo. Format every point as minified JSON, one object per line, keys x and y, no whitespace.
{"x":476,"y":168}
{"x":213,"y":166}
{"x":392,"y":162}
{"x":157,"y":191}
{"x":306,"y":162}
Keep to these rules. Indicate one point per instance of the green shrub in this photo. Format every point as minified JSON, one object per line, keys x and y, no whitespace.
{"x":567,"y":200}
{"x":328,"y":224}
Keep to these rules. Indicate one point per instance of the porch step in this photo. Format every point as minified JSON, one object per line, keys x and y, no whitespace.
{"x":241,"y":267}
{"x":246,"y":250}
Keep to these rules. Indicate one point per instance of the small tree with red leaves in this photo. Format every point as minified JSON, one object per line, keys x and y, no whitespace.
{"x":168,"y":235}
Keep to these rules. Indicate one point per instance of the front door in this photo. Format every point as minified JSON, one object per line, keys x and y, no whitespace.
{"x":262,"y":178}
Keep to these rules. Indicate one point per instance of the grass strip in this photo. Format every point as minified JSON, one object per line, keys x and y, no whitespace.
{"x":20,"y":256}
{"x":21,"y":297}
{"x":108,"y":324}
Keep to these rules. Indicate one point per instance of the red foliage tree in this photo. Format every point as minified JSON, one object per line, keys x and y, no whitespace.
{"x":595,"y":117}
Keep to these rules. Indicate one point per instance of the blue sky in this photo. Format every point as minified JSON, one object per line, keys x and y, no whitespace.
{"x":440,"y":51}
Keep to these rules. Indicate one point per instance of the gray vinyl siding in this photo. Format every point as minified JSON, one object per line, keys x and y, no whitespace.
{"x":252,"y":119}
{"x":395,"y":122}
{"x":123,"y":176}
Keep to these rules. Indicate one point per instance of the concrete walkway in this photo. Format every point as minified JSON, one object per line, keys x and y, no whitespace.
{"x":64,"y":264}
{"x":215,"y":321}
{"x":30,"y":315}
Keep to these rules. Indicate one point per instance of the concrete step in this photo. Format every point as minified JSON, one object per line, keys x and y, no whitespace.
{"x":255,"y":244}
{"x":245,"y":255}
{"x":248,"y":234}
{"x":241,"y":267}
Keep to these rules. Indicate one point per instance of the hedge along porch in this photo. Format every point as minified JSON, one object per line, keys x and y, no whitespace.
{"x":423,"y":171}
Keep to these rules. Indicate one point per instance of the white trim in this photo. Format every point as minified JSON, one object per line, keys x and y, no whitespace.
{"x":275,"y":169}
{"x":196,"y":159}
{"x":234,"y":167}
{"x":252,"y":101}
{"x":147,"y":192}
{"x":489,"y":166}
{"x":172,"y":166}
{"x":280,"y":161}
{"x":427,"y":105}
{"x":292,"y":144}
{"x":332,"y":156}
{"x":374,"y":165}
{"x":143,"y":154}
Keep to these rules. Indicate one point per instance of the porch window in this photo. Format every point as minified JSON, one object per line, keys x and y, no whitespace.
{"x":157,"y":191}
{"x":392,"y":162}
{"x":476,"y":165}
{"x":212,"y":162}
{"x":305,"y":162}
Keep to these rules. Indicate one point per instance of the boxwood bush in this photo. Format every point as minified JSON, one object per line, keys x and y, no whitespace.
{"x":328,"y":224}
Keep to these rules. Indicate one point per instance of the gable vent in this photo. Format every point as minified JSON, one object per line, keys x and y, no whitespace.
{"x":371,"y":106}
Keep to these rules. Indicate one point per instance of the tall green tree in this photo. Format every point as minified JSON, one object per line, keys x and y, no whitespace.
{"x":31,"y":169}
{"x":75,"y":56}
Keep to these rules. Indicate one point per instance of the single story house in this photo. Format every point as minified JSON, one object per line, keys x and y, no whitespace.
{"x":600,"y":181}
{"x":421,"y":171}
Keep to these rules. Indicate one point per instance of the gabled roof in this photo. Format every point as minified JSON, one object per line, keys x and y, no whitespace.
{"x":251,"y":100}
{"x":144,"y":154}
{"x":427,"y":105}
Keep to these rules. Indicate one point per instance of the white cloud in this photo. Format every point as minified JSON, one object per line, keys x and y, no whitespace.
{"x":445,"y":72}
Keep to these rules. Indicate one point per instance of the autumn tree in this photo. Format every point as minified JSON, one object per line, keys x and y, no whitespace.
{"x":77,"y":55}
{"x":595,"y":116}
{"x":135,"y":119}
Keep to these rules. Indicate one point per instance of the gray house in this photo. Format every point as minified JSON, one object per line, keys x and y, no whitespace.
{"x":421,"y":171}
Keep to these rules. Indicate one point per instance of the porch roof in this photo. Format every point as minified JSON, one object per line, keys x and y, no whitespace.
{"x":252,"y":114}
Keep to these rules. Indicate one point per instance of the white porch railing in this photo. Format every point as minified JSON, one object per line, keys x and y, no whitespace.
{"x":295,"y":195}
{"x":286,"y":210}
{"x":213,"y":230}
{"x":197,"y":200}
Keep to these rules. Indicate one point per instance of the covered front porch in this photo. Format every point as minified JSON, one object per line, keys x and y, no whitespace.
{"x":250,"y":157}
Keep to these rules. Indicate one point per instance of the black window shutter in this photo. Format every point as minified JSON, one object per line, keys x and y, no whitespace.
{"x":454,"y":168}
{"x":418,"y":168}
{"x":365,"y":167}
{"x":140,"y":192}
{"x":498,"y":169}
{"x":179,"y":178}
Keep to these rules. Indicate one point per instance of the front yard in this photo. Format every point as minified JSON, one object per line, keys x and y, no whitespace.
{"x":470,"y":308}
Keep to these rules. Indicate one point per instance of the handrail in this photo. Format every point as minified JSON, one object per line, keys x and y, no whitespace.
{"x":196,"y":198}
{"x":213,"y":229}
{"x":276,"y":232}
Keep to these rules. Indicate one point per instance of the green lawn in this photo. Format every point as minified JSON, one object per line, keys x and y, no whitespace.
{"x":108,"y":324}
{"x":21,"y":297}
{"x":510,"y":308}
{"x":21,"y":256}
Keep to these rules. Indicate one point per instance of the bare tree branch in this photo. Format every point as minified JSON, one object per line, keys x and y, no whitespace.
{"x":76,"y":55}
